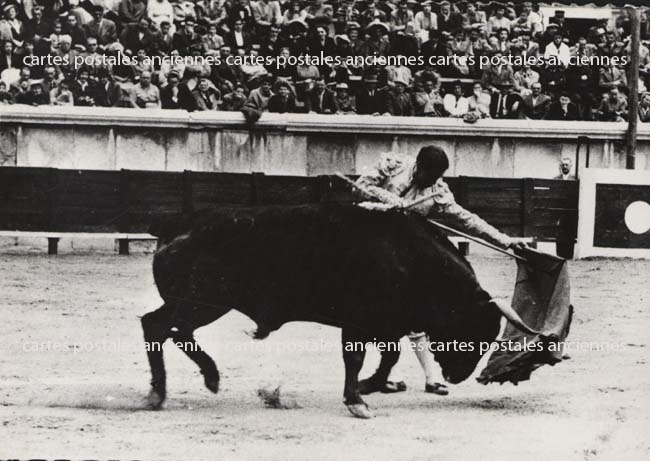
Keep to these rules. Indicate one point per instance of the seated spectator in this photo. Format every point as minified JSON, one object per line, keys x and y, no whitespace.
{"x":563,"y":109}
{"x":398,"y":101}
{"x":169,"y":93}
{"x":377,"y":43}
{"x":212,"y":41}
{"x":258,"y":99}
{"x":611,"y":47}
{"x":160,"y":11}
{"x":11,"y":28}
{"x":9,"y":60}
{"x":424,"y":21}
{"x":136,"y":37}
{"x":449,"y":21}
{"x":145,"y":95}
{"x":479,"y":102}
{"x":613,"y":107}
{"x":235,"y":100}
{"x":536,"y":104}
{"x":474,"y":18}
{"x":206,"y":96}
{"x":23,"y":83}
{"x":498,"y":21}
{"x":131,"y":11}
{"x":283,"y":101}
{"x":505,"y":103}
{"x":644,"y":108}
{"x":184,"y":39}
{"x":524,"y":79}
{"x":494,"y":76}
{"x":344,"y":101}
{"x":320,"y":99}
{"x":611,"y":77}
{"x":400,"y":17}
{"x":370,"y":100}
{"x":35,"y":96}
{"x":5,"y":97}
{"x":61,"y":95}
{"x":455,"y":104}
{"x":427,"y":100}
{"x":107,"y":92}
{"x":104,"y":30}
{"x":74,"y":30}
{"x":558,"y":51}
{"x":37,"y":27}
{"x":238,"y":38}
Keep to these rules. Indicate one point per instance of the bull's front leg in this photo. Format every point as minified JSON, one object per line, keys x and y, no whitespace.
{"x":353,"y":355}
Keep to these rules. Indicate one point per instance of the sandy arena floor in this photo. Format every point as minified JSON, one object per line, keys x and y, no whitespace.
{"x":59,"y":398}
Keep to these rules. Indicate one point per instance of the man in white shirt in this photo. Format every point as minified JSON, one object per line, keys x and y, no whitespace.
{"x":558,"y":50}
{"x":455,"y":104}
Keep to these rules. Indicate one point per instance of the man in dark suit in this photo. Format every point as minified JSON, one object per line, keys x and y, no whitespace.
{"x":320,"y":100}
{"x":169,"y":93}
{"x":282,"y":101}
{"x":185,"y":38}
{"x":102,"y":29}
{"x":237,"y":38}
{"x":137,"y":37}
{"x":8,"y":59}
{"x":107,"y":92}
{"x":371,"y":100}
{"x":449,"y":21}
{"x":563,"y":109}
{"x":536,"y":104}
{"x":504,"y":103}
{"x":398,"y":101}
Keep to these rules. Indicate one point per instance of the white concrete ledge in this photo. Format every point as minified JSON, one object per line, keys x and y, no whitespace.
{"x":414,"y":126}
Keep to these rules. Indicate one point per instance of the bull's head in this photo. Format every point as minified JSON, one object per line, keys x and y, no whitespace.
{"x":482,"y":325}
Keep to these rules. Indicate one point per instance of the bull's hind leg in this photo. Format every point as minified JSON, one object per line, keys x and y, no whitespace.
{"x":183,"y":335}
{"x":156,"y":326}
{"x":353,"y":356}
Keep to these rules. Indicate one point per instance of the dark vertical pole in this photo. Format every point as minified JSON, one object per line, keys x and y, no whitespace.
{"x":124,"y":223}
{"x":633,"y":81}
{"x":257,"y":189}
{"x":527,"y":207}
{"x":188,"y":202}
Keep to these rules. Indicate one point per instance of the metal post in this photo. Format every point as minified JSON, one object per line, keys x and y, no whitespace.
{"x":633,"y":81}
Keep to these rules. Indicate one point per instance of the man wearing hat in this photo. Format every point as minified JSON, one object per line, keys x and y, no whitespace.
{"x":344,"y":102}
{"x":102,"y":29}
{"x":377,"y":44}
{"x":398,"y":101}
{"x":370,"y":100}
{"x":505,"y":103}
{"x":185,"y":38}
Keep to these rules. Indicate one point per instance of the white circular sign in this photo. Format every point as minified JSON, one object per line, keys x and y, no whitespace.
{"x":637,"y":217}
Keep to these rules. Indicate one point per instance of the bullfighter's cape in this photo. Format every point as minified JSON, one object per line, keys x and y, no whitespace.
{"x":542,"y":299}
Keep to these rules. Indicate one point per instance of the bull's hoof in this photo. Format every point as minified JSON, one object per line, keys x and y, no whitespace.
{"x":360,"y":410}
{"x":154,"y":400}
{"x":212,"y":384}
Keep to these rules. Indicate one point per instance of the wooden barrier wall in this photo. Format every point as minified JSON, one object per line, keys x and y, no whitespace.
{"x":55,"y":200}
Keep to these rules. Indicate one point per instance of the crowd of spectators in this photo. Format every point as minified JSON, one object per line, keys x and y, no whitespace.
{"x":142,"y":29}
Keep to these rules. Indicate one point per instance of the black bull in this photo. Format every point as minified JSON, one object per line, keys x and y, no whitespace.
{"x":375,"y":275}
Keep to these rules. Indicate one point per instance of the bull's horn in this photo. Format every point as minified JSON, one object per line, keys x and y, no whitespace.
{"x":509,"y":313}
